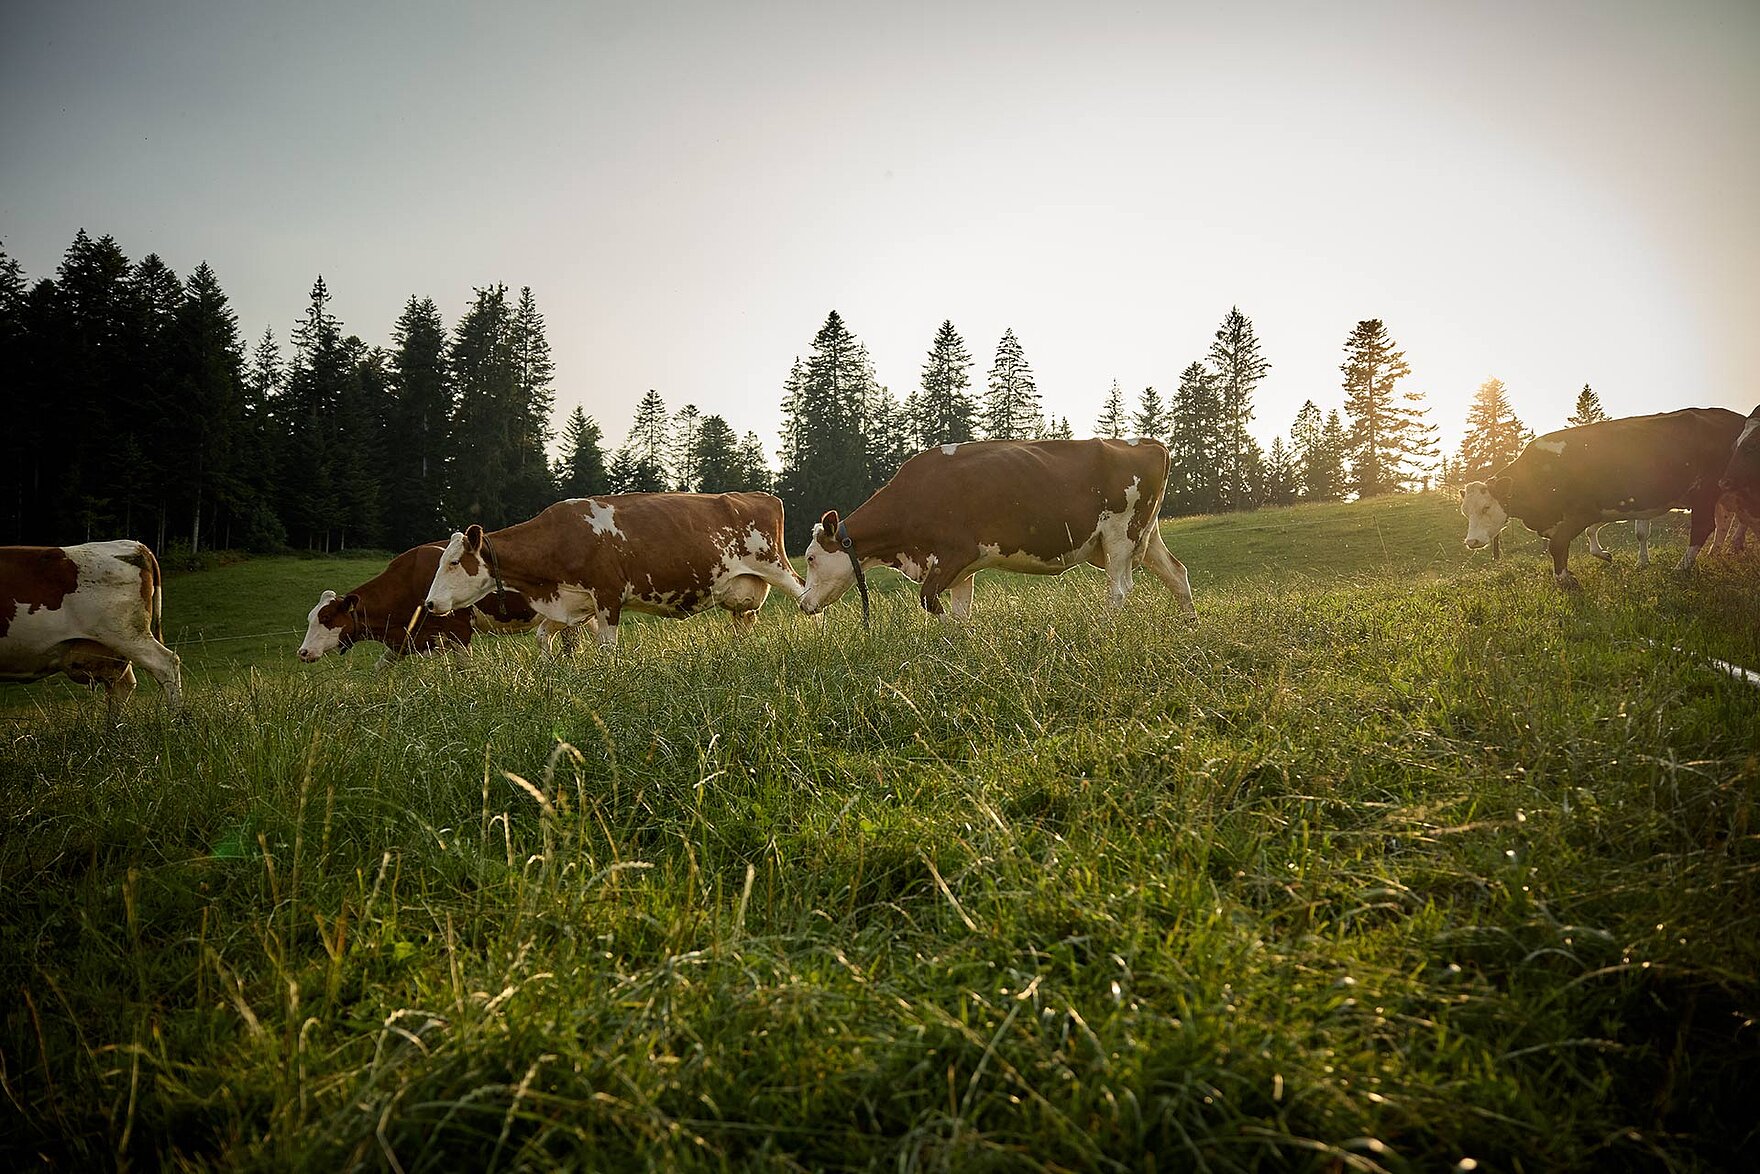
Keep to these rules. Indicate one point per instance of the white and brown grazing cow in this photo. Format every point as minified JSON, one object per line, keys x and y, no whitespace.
{"x":92,"y":612}
{"x":593,"y":558}
{"x":1637,"y":467}
{"x":384,"y":607}
{"x":1035,"y":506}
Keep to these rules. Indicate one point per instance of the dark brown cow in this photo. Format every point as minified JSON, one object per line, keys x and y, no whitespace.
{"x":592,"y":558}
{"x":1034,"y":506}
{"x":1741,"y":473}
{"x":91,"y":611}
{"x":1637,"y":467}
{"x":383,"y":607}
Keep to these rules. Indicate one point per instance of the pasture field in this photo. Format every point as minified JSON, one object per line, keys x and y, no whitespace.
{"x":1396,"y":859}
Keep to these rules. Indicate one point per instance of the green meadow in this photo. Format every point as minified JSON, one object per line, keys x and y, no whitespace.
{"x":1397,"y":859}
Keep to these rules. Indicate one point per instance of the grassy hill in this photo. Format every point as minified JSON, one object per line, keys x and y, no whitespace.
{"x":1397,"y":857}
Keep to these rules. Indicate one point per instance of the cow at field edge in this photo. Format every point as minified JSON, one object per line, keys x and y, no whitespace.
{"x":1741,"y":472}
{"x":592,"y":558}
{"x":1032,"y":506}
{"x":92,"y":612}
{"x":382,"y":609}
{"x":1637,"y":467}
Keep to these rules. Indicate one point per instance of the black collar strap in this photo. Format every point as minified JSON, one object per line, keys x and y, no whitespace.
{"x":494,"y":566}
{"x":849,"y":548}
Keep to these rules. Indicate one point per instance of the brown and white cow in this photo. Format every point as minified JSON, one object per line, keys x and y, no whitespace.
{"x":1741,"y":472}
{"x":1637,"y":467}
{"x":593,"y":558}
{"x":92,"y":612}
{"x":384,"y":606}
{"x":1033,"y":506}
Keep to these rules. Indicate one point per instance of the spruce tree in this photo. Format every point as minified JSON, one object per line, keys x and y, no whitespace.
{"x":1011,"y":409}
{"x":534,"y":402}
{"x":1112,"y":423}
{"x":309,"y":498}
{"x":826,"y":465}
{"x":681,"y":449}
{"x":648,"y":447}
{"x":93,"y":401}
{"x":1194,"y":434}
{"x":889,"y":438}
{"x":1304,"y":447}
{"x":1329,"y":472}
{"x":1494,"y":435}
{"x":755,"y":474}
{"x":1057,"y":428}
{"x":944,"y":412}
{"x":1238,"y":369}
{"x":715,"y":457}
{"x":19,"y":437}
{"x":207,"y":409}
{"x":485,"y":427}
{"x":1280,"y":474}
{"x":1151,"y":419}
{"x":581,"y":471}
{"x":364,"y":399}
{"x":419,"y":426}
{"x":1389,"y":439}
{"x":1589,"y":409}
{"x":260,"y":528}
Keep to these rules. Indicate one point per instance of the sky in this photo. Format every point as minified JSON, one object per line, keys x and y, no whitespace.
{"x":1548,"y":193}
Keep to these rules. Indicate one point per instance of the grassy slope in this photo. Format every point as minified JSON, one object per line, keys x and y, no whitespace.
{"x":1398,"y":856}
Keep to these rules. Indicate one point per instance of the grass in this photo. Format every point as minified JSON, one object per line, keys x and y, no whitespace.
{"x":1397,"y":857}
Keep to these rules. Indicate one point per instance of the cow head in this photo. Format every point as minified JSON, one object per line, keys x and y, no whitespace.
{"x":1742,"y":475}
{"x":332,"y":626}
{"x":463,"y":576}
{"x":829,"y":570}
{"x":1483,"y":504}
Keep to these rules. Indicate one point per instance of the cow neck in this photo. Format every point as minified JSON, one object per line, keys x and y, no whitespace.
{"x":375,"y":611}
{"x":507,"y":555}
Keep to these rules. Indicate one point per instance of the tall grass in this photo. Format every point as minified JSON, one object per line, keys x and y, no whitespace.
{"x":1391,"y":860}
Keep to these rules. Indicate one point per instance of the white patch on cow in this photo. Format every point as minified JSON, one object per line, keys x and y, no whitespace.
{"x":1116,"y":545}
{"x":320,"y":641}
{"x":908,"y":566}
{"x":1133,"y":442}
{"x":602,"y":518}
{"x":1555,"y":447}
{"x":451,"y":587}
{"x":950,"y":449}
{"x":757,"y":542}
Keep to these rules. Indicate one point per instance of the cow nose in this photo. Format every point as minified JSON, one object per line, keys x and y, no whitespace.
{"x":1475,"y":544}
{"x":305,"y":655}
{"x":428,"y":606}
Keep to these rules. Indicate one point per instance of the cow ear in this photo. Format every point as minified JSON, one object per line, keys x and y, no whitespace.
{"x":350,"y":601}
{"x":1500,"y":488}
{"x":829,"y":521}
{"x":473,"y":538}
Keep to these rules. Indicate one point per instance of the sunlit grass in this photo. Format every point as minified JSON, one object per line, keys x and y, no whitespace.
{"x":1394,"y":857}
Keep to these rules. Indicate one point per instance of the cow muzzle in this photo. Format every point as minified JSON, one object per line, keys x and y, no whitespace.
{"x":1476,"y":544}
{"x":307,"y":655}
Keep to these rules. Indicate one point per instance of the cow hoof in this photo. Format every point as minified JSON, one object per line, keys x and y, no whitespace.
{"x":1603,"y":555}
{"x":1568,"y":581}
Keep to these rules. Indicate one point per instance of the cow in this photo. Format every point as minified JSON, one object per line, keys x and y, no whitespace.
{"x":1637,"y":467}
{"x":92,"y":612}
{"x":1733,"y":524}
{"x":388,"y":608}
{"x":1034,"y":506}
{"x":1741,"y":472}
{"x":593,"y":558}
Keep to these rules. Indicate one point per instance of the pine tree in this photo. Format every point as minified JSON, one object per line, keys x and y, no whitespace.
{"x":647,"y":448}
{"x":207,"y":408}
{"x":1238,"y":369}
{"x":484,"y":427}
{"x":1057,"y":428}
{"x":1011,"y":409}
{"x":1280,"y":474}
{"x":1111,"y":423}
{"x":18,"y":438}
{"x":309,"y":498}
{"x":581,"y":472}
{"x":1194,"y":433}
{"x":944,"y":412}
{"x":825,"y":464}
{"x":681,"y":449}
{"x":1328,"y":473}
{"x":890,"y":442}
{"x":1494,"y":435}
{"x":91,"y":396}
{"x":419,"y":426}
{"x":1304,"y":448}
{"x":755,"y":474}
{"x":1151,"y":419}
{"x":362,"y":406}
{"x":1589,"y":409}
{"x":528,"y":433}
{"x":1389,"y":439}
{"x":715,"y":457}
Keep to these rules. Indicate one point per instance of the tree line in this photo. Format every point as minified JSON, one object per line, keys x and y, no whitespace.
{"x":139,"y":410}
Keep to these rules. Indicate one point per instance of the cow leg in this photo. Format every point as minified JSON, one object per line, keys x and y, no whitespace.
{"x":1595,"y":547}
{"x":1704,"y":521}
{"x":161,"y":662}
{"x":936,"y":579}
{"x":959,"y":597}
{"x":743,"y":620}
{"x":608,"y":626}
{"x":1641,"y":528}
{"x":547,"y":632}
{"x":1170,"y":571}
{"x":1560,"y":546}
{"x":117,"y":690}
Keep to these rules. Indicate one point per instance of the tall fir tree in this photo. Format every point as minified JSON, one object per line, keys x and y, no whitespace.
{"x":640,"y":465}
{"x":19,"y":437}
{"x":681,"y":449}
{"x":1112,"y":423}
{"x":207,"y":407}
{"x":483,"y":428}
{"x":889,"y":438}
{"x":1588,"y":410}
{"x":1390,"y":441}
{"x":755,"y":474}
{"x":716,"y":457}
{"x":1011,"y":409}
{"x":1237,"y":368}
{"x":1304,"y":444}
{"x":310,"y":501}
{"x":528,"y":435}
{"x":581,"y":471}
{"x":1494,"y":436}
{"x":1329,"y":473}
{"x":1280,"y":475}
{"x":359,"y":445}
{"x":825,"y":466}
{"x":1194,"y":435}
{"x":92,"y":389}
{"x":419,"y":426}
{"x":1151,"y":419}
{"x":943,"y":411}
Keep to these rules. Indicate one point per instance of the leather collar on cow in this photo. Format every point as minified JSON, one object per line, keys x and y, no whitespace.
{"x":494,"y":566}
{"x":849,"y":548}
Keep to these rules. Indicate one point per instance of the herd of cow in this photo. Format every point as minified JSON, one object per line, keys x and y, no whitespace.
{"x":1040,"y":507}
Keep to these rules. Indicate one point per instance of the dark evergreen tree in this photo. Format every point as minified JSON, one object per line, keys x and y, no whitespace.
{"x":681,"y":449}
{"x":1151,"y":419}
{"x":20,"y":434}
{"x":1281,"y":476}
{"x":715,"y":457}
{"x":485,"y":432}
{"x":944,"y":411}
{"x":418,"y":427}
{"x":207,"y":438}
{"x":581,"y":471}
{"x":825,"y":465}
{"x":755,"y":473}
{"x":1057,"y":428}
{"x":530,"y":488}
{"x":641,"y":466}
{"x":143,"y":483}
{"x":1494,"y":435}
{"x":1194,"y":434}
{"x":1238,"y":369}
{"x":86,"y":448}
{"x":1112,"y":422}
{"x":1011,"y":409}
{"x":1389,"y":439}
{"x":1328,"y":474}
{"x":1304,"y":446}
{"x":310,"y":501}
{"x":362,"y":405}
{"x":1589,"y":409}
{"x":889,"y":437}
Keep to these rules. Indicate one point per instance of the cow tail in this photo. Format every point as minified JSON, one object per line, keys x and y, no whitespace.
{"x":156,"y":582}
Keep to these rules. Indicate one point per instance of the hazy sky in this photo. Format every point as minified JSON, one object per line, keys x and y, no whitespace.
{"x":1551,"y":193}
